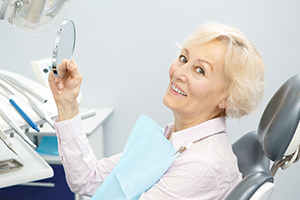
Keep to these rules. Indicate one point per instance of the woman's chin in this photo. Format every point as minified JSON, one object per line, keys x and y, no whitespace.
{"x":169,"y":102}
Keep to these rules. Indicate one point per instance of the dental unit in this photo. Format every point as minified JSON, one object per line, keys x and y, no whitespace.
{"x":33,"y":17}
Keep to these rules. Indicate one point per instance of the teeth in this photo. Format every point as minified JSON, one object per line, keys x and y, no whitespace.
{"x":177,"y":90}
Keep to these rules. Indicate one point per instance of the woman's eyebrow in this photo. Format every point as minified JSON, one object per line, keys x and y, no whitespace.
{"x":200,"y":60}
{"x":185,"y":50}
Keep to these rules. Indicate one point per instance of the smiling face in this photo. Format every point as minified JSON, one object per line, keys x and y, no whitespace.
{"x":196,"y":92}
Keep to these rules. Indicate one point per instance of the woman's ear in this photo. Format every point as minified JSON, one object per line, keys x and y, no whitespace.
{"x":223,"y":103}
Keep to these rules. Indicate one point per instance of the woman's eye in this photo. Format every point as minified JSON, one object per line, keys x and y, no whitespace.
{"x":182,"y":59}
{"x":200,"y":70}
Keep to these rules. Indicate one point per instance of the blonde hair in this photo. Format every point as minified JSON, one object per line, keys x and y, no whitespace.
{"x":244,"y":67}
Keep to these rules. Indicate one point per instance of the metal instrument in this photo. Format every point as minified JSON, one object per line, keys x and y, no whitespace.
{"x":6,"y":140}
{"x":19,"y":109}
{"x":17,"y":129}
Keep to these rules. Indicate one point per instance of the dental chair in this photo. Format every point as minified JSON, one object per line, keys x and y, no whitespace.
{"x":276,"y":141}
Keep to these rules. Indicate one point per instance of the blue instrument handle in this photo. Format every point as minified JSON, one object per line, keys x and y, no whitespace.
{"x":24,"y":115}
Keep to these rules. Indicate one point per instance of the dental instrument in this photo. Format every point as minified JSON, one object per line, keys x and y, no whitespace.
{"x":20,"y":111}
{"x":15,"y":84}
{"x":17,"y":129}
{"x":38,"y":109}
{"x":6,"y":140}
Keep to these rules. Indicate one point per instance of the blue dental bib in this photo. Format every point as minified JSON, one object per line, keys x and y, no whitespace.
{"x":146,"y":157}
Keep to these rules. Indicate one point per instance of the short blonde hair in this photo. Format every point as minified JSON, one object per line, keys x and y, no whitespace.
{"x":244,"y":67}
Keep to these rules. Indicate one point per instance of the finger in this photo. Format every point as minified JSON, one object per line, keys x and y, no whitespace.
{"x":51,"y":76}
{"x":52,"y":79}
{"x":55,"y":83}
{"x":74,"y":70}
{"x":58,"y":83}
{"x":62,"y":67}
{"x":72,"y":66}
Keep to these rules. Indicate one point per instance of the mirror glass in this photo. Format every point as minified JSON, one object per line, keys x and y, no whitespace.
{"x":64,"y":46}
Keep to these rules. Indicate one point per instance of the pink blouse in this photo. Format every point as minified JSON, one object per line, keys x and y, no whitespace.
{"x":208,"y":170}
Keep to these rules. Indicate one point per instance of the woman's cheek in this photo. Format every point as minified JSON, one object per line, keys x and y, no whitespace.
{"x":172,"y":70}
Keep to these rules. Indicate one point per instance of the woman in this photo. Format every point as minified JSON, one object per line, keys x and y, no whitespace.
{"x":218,"y":74}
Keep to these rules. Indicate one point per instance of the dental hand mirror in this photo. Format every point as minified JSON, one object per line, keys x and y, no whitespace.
{"x":64,"y":46}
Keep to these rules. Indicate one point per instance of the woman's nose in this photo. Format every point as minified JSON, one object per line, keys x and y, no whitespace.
{"x":181,"y":73}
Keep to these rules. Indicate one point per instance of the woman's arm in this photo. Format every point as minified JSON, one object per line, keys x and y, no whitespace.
{"x":84,"y":173}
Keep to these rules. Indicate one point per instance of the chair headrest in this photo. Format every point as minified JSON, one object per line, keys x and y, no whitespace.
{"x":251,"y":157}
{"x":278,"y":130}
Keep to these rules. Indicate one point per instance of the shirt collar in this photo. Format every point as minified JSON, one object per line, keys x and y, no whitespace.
{"x":199,"y":131}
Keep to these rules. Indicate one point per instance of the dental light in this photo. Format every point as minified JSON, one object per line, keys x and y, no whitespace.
{"x":35,"y":16}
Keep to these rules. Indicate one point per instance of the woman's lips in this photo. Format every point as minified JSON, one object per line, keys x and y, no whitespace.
{"x":177,"y":89}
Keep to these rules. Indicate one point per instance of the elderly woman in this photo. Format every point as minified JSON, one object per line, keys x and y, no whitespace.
{"x":217,"y":74}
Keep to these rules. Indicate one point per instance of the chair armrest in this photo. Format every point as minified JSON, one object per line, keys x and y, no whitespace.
{"x":249,"y":185}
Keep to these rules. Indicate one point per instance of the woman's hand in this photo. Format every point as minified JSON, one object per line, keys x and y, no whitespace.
{"x":66,"y":89}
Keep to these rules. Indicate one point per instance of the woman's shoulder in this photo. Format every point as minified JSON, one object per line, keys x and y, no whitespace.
{"x":214,"y":153}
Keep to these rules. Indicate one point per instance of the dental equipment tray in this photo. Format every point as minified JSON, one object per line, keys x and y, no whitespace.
{"x":34,"y":167}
